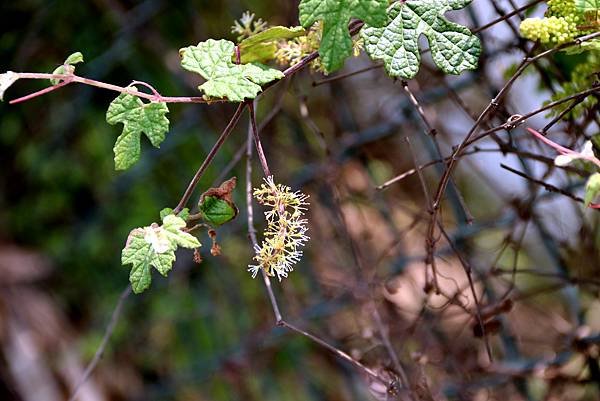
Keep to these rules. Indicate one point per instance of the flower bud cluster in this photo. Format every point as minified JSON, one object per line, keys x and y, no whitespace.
{"x":561,"y":24}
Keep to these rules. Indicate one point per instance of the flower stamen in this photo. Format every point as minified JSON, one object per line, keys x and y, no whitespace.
{"x":285,"y":232}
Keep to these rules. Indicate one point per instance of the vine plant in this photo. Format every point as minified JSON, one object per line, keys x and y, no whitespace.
{"x":238,"y":73}
{"x":331,"y":31}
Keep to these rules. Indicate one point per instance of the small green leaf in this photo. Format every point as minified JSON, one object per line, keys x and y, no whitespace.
{"x":236,"y":82}
{"x":262,"y":46}
{"x":74,"y":58}
{"x":137,"y":117}
{"x":6,"y":80}
{"x":592,"y":189}
{"x":184,"y":214}
{"x":453,"y":47}
{"x":336,"y":45}
{"x":216,"y":205}
{"x":68,"y":67}
{"x":587,"y":5}
{"x":154,"y":246}
{"x":165,"y":212}
{"x":216,"y":211}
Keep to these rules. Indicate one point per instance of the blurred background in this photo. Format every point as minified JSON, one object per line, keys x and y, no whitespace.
{"x":206,"y":332}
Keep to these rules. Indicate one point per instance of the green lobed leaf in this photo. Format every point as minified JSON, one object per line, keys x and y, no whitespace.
{"x":154,"y":246}
{"x":141,"y":255}
{"x":262,"y":46}
{"x":137,"y":118}
{"x":453,"y":47}
{"x":6,"y":80}
{"x":592,"y":189}
{"x":236,"y":82}
{"x":68,"y":67}
{"x":336,"y":45}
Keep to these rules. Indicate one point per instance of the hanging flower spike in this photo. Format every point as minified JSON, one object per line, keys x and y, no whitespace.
{"x":285,"y":232}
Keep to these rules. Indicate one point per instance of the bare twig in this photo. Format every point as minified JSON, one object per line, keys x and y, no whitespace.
{"x":192,"y":185}
{"x":114,"y":318}
{"x":257,"y":143}
{"x":547,"y":186}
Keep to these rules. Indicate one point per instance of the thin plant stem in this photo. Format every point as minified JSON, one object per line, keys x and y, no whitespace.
{"x":130,"y":90}
{"x":251,"y":228}
{"x":211,"y":155}
{"x":116,"y":313}
{"x":259,"y":149}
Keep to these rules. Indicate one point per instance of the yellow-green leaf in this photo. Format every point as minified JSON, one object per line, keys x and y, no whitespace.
{"x":155,"y":246}
{"x":137,"y":117}
{"x":236,"y":82}
{"x":262,"y":46}
{"x":68,"y":67}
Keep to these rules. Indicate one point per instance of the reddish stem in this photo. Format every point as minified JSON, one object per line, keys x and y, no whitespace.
{"x":155,"y":97}
{"x":238,"y":55}
{"x":154,"y":91}
{"x":561,"y":149}
{"x":40,"y":92}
